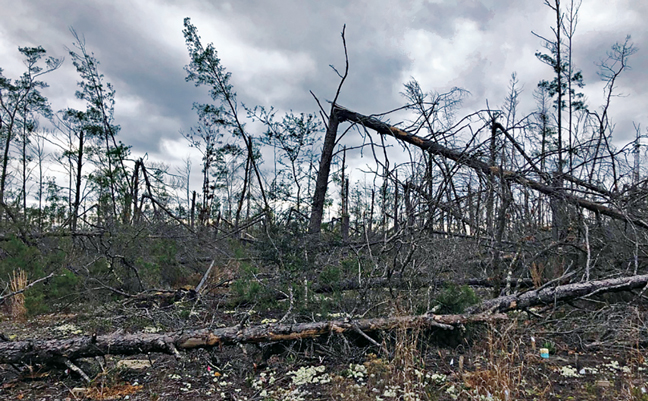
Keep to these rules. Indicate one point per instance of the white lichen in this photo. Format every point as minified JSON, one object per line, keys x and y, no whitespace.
{"x":452,"y":392}
{"x":586,"y":370}
{"x":569,"y":371}
{"x":390,"y":392}
{"x":309,"y":375}
{"x":358,"y":372}
{"x":68,"y":328}
{"x":436,"y":378}
{"x":151,"y":329}
{"x":614,"y":366}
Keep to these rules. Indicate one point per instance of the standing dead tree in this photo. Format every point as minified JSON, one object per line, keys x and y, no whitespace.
{"x":321,"y":184}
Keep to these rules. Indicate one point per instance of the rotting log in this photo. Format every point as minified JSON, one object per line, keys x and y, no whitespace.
{"x":481,"y":166}
{"x":56,"y":351}
{"x":549,"y":295}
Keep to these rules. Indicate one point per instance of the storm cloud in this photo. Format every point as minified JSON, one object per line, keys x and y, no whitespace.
{"x":278,"y":51}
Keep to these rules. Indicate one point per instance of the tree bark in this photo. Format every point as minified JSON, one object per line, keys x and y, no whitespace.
{"x":79,"y":176}
{"x":246,"y":180}
{"x":319,"y":197}
{"x":321,"y":185}
{"x":57,"y":351}
{"x":136,"y":212}
{"x":549,"y":295}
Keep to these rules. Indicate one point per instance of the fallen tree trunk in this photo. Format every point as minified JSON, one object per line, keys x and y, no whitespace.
{"x":398,"y":282}
{"x":60,"y":351}
{"x":549,"y":295}
{"x":481,"y":166}
{"x":167,"y":297}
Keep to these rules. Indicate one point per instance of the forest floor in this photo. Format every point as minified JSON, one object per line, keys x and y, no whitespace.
{"x":494,"y":361}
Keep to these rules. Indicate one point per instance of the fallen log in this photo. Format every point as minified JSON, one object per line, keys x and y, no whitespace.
{"x":59,"y":351}
{"x":63,"y":351}
{"x":167,"y":297}
{"x":549,"y":295}
{"x":399,"y":282}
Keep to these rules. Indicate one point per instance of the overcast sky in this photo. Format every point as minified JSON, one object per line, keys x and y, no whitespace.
{"x":279,"y":50}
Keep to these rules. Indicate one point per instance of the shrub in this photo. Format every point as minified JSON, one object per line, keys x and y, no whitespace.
{"x":248,"y":288}
{"x":330,"y":276}
{"x":35,"y":264}
{"x":454,"y":299}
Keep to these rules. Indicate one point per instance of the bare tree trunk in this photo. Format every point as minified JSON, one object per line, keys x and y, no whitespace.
{"x":490,"y":200}
{"x":345,"y":214}
{"x":41,"y":151}
{"x":5,"y":162}
{"x":559,"y":217}
{"x":472,"y":211}
{"x":396,"y":222}
{"x":77,"y":193}
{"x":245,"y":188}
{"x":371,"y":212}
{"x":319,"y":197}
{"x":24,"y":164}
{"x":383,"y":208}
{"x":499,"y":235}
{"x":111,"y":177}
{"x":344,"y":199}
{"x":409,"y":208}
{"x":148,"y":187}
{"x":59,"y":351}
{"x":637,"y":155}
{"x":550,"y":295}
{"x":321,"y":184}
{"x":193,"y":209}
{"x":430,"y":191}
{"x":136,"y":211}
{"x":559,"y":73}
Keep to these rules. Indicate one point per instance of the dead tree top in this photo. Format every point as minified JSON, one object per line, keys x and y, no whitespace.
{"x":480,"y":166}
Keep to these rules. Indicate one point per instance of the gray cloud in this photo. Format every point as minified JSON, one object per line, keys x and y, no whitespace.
{"x":279,"y":50}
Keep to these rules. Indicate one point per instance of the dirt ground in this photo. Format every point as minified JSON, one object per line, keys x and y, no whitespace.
{"x":591,"y":357}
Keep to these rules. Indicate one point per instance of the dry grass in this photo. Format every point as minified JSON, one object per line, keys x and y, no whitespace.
{"x":399,"y":372}
{"x":18,"y":282}
{"x":537,"y":271}
{"x":501,"y":377}
{"x":116,"y":392}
